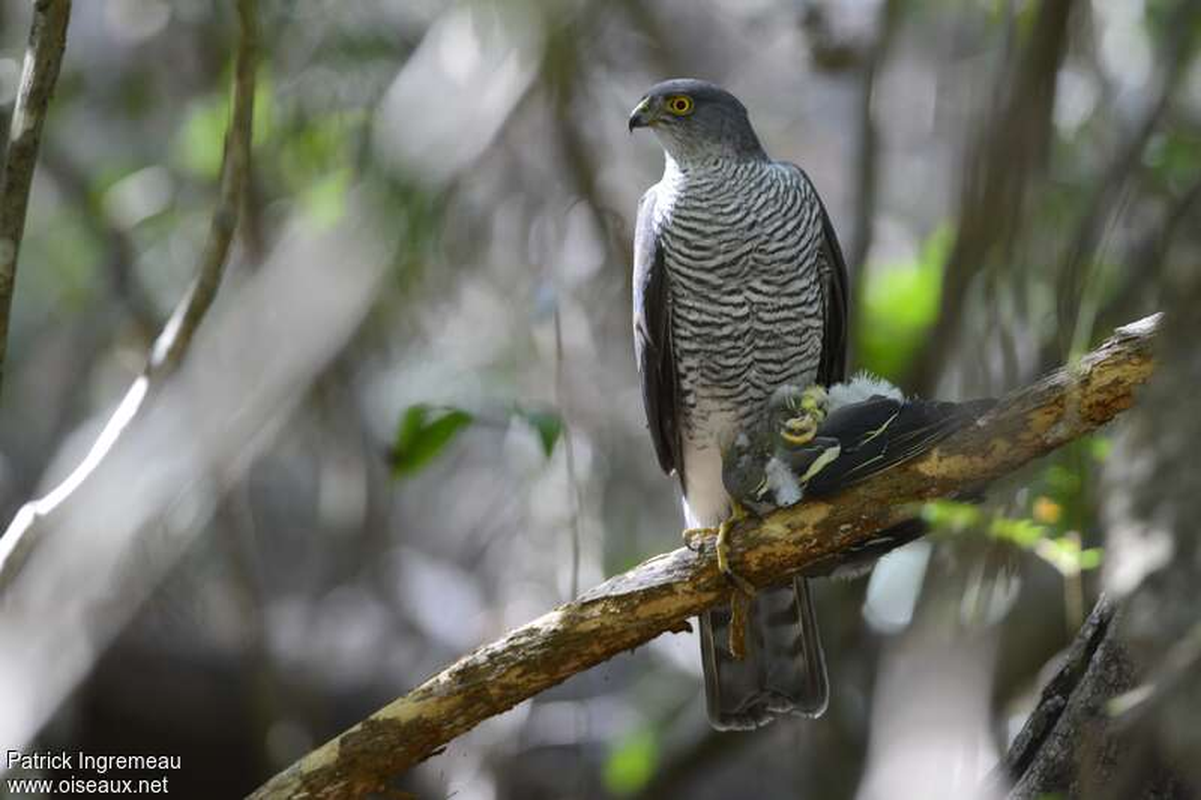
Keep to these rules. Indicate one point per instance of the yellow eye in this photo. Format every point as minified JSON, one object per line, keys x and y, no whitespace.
{"x":680,"y":105}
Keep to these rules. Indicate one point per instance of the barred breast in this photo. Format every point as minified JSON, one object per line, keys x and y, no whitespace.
{"x":742,"y":246}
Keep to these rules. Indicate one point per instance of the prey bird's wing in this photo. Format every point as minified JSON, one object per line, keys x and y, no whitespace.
{"x":652,"y":339}
{"x":882,"y":432}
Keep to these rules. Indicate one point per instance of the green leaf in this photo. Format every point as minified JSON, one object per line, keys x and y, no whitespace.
{"x":631,"y":764}
{"x":422,"y":434}
{"x":549,"y":426}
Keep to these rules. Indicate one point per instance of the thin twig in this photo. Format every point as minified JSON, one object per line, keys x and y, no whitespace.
{"x":661,"y":594}
{"x":173,"y":342}
{"x":43,"y":57}
{"x":573,"y":486}
{"x":171,"y":345}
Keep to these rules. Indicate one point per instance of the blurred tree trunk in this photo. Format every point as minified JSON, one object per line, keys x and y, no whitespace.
{"x":1007,"y":156}
{"x":1119,"y":719}
{"x":1067,"y":740}
{"x":1160,"y":624}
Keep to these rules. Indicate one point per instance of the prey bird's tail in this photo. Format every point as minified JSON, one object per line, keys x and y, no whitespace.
{"x":784,"y":668}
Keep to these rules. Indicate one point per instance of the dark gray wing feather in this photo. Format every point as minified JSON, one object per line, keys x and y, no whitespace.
{"x":881,"y":432}
{"x":652,"y":339}
{"x":833,"y":365}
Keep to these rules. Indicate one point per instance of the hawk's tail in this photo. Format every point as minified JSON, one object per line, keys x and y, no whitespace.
{"x":784,"y":671}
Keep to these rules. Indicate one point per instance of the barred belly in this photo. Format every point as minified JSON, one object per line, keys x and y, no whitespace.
{"x":742,"y":250}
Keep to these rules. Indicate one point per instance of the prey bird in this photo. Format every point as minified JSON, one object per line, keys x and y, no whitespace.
{"x":739,"y":288}
{"x":817,"y":441}
{"x":814,"y":442}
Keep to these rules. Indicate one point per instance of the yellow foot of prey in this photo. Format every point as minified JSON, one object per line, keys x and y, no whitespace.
{"x":810,"y":411}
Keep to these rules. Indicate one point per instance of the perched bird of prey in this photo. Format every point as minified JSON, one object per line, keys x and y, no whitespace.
{"x":815,"y":441}
{"x":739,"y":288}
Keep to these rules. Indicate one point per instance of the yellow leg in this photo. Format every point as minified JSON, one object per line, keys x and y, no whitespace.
{"x":693,"y":537}
{"x":740,"y":598}
{"x":722,"y":546}
{"x":744,"y":590}
{"x":740,"y":606}
{"x":721,"y":536}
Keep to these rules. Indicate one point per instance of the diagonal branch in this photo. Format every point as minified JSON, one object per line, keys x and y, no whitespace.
{"x":44,"y":55}
{"x":172,"y":343}
{"x":661,"y":594}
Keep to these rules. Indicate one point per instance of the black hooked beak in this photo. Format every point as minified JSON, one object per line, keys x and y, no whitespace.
{"x":643,"y":115}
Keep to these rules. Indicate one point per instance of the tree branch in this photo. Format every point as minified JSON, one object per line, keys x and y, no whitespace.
{"x":43,"y":56}
{"x":173,"y":341}
{"x":662,"y":593}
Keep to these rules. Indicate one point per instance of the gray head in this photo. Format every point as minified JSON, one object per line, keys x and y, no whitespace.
{"x":697,"y":121}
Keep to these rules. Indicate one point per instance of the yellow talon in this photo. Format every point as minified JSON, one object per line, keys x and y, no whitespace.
{"x":721,"y":544}
{"x":799,"y":430}
{"x":691,"y":535}
{"x":744,"y":590}
{"x":740,"y":600}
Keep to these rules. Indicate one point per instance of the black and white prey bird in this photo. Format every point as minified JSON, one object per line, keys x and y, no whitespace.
{"x":739,"y":288}
{"x":815,"y":441}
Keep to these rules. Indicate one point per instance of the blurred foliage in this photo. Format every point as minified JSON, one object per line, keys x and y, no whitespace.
{"x":632,"y":762}
{"x":424,"y":431}
{"x":1039,"y":533}
{"x":547,"y":424}
{"x":200,"y":140}
{"x":899,"y":305}
{"x":1174,"y":158}
{"x":1057,"y":512}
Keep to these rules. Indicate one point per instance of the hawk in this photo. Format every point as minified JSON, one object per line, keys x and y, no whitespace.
{"x":739,"y":288}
